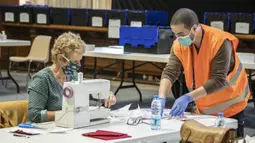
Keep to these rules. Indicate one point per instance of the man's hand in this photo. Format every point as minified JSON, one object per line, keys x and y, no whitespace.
{"x":180,"y":105}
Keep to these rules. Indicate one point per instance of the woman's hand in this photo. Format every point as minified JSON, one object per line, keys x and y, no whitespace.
{"x":110,"y":101}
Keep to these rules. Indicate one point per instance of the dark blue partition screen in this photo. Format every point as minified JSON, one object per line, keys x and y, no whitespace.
{"x":199,"y":6}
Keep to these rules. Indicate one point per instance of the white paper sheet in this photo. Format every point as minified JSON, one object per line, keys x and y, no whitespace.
{"x":27,"y":130}
{"x":171,"y":124}
{"x":97,"y":21}
{"x":114,"y":28}
{"x":122,"y":112}
{"x":146,"y":113}
{"x":24,"y":17}
{"x":217,"y":24}
{"x":41,"y":18}
{"x":242,"y":28}
{"x":41,"y":131}
{"x":136,"y":24}
{"x":114,"y":32}
{"x":90,"y":47}
{"x":9,"y":17}
{"x":60,"y":130}
{"x":114,"y":22}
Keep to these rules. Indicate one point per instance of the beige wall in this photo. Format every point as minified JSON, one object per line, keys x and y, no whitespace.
{"x":96,"y":4}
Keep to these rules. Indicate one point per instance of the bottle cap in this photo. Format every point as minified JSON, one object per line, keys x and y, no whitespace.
{"x":220,"y":114}
{"x":155,"y":96}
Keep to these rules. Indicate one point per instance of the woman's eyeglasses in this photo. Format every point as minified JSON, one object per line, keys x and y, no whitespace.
{"x":137,"y":120}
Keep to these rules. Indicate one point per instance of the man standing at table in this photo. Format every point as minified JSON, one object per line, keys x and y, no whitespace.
{"x":214,"y":75}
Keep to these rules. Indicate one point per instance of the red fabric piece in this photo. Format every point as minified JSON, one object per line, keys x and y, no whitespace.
{"x":106,"y":135}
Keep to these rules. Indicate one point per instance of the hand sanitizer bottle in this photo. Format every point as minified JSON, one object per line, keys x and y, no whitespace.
{"x":4,"y":36}
{"x":220,"y":121}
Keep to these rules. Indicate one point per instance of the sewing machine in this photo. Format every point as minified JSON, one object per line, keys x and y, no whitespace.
{"x":76,"y":111}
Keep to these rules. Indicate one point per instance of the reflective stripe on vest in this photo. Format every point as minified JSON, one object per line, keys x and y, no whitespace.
{"x":227,"y":104}
{"x":233,"y":79}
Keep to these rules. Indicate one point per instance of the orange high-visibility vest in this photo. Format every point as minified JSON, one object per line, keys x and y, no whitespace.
{"x":230,"y":100}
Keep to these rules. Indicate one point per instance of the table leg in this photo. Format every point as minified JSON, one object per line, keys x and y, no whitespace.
{"x":8,"y":71}
{"x":133,"y":80}
{"x":121,"y":76}
{"x":121,"y":86}
{"x":95,"y":68}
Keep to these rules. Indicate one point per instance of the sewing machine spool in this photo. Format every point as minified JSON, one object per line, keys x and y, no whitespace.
{"x":68,"y":92}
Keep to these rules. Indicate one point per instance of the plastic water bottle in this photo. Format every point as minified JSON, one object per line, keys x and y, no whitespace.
{"x":220,"y":121}
{"x":155,"y":114}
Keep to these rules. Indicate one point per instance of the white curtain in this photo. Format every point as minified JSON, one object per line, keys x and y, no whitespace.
{"x":95,"y":4}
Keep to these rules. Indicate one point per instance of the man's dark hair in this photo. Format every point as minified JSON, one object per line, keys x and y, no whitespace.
{"x":184,"y":16}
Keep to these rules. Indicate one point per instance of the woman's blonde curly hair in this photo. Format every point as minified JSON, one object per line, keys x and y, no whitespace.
{"x":66,"y":44}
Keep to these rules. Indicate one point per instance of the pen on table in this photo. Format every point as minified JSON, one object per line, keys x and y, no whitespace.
{"x":19,"y":135}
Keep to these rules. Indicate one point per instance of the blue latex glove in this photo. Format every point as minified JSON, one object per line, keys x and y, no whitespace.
{"x":163,"y":102}
{"x":180,"y":105}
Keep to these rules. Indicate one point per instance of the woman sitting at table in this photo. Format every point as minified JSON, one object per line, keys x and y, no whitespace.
{"x":45,"y":90}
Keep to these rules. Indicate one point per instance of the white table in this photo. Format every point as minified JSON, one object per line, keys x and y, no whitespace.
{"x":248,"y":60}
{"x":117,"y":52}
{"x":141,"y":133}
{"x":12,"y":43}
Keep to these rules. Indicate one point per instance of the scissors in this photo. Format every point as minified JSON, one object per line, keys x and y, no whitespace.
{"x":29,"y":125}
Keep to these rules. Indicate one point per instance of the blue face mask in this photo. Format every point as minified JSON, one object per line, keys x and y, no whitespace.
{"x":185,"y":40}
{"x":71,"y":70}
